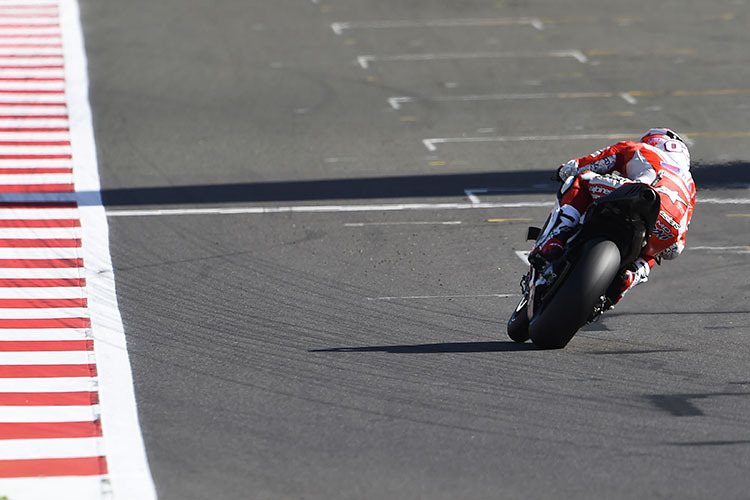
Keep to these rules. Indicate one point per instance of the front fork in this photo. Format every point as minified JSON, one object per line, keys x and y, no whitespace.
{"x":527,"y":292}
{"x":544,"y":282}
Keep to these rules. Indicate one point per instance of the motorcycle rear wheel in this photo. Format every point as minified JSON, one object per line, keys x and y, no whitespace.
{"x":557,"y":319}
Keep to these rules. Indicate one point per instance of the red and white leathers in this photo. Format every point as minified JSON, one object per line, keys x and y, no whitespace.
{"x":662,"y":160}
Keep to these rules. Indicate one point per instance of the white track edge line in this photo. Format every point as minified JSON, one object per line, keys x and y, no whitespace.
{"x":386,"y":207}
{"x":129,"y":474}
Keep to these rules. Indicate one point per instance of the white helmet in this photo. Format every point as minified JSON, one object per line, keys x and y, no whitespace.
{"x":668,"y":141}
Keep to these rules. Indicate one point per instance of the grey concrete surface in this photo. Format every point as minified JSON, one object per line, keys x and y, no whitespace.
{"x":363,"y":354}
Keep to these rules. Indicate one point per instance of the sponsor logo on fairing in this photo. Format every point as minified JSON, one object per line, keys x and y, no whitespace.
{"x":661,"y":231}
{"x":598,"y":190}
{"x":669,"y":220}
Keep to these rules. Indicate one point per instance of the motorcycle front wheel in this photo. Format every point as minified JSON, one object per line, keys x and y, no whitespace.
{"x":518,"y":324}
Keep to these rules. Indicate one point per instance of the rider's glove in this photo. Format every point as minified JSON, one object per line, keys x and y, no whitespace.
{"x":567,"y":169}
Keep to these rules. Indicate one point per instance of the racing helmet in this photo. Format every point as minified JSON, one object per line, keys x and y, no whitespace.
{"x":671,"y":143}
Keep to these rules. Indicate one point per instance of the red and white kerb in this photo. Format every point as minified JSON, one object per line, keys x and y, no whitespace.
{"x":68,"y":426}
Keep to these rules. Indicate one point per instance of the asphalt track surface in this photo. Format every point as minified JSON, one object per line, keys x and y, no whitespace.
{"x":362,"y":354}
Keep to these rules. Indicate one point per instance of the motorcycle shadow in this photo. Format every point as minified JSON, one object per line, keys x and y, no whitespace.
{"x":445,"y":347}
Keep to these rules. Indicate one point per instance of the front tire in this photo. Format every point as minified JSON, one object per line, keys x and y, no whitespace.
{"x":561,"y":315}
{"x":518,"y":324}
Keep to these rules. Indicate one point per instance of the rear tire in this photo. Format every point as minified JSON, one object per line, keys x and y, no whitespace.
{"x":568,"y":310}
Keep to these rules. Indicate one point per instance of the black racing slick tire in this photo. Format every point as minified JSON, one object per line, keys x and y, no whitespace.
{"x":559,"y":317}
{"x":518,"y":324}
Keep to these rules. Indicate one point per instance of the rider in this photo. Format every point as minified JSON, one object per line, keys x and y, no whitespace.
{"x":661,"y":159}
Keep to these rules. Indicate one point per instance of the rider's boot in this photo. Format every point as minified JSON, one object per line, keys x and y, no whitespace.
{"x":636,"y":274}
{"x":553,"y":245}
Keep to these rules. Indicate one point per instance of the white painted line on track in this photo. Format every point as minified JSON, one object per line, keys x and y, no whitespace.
{"x":18,"y":136}
{"x":40,"y":232}
{"x":29,"y":414}
{"x":55,"y":150}
{"x":323,"y":209}
{"x":725,"y":201}
{"x":39,"y":273}
{"x":431,"y":144}
{"x":36,"y":179}
{"x":45,"y":358}
{"x":38,"y":213}
{"x":729,"y":249}
{"x":396,"y":101}
{"x":430,"y":297}
{"x":472,"y":193}
{"x":404,"y":223}
{"x":127,"y":465}
{"x":28,"y":334}
{"x":366,"y":60}
{"x":52,"y":52}
{"x":38,"y":253}
{"x":24,"y":449}
{"x":29,"y":86}
{"x":396,"y":207}
{"x":67,"y":488}
{"x":14,"y":120}
{"x":535,"y":22}
{"x":50,"y":384}
{"x":28,"y":112}
{"x":39,"y":99}
{"x":34,"y":162}
{"x":43,"y":32}
{"x":41,"y":292}
{"x":43,"y":312}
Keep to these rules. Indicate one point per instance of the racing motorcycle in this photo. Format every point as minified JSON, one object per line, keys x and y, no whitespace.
{"x":562,"y":296}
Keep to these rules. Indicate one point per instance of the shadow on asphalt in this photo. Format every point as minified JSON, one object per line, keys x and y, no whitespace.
{"x":708,"y":176}
{"x":676,"y":313}
{"x":450,"y":347}
{"x":682,"y":405}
